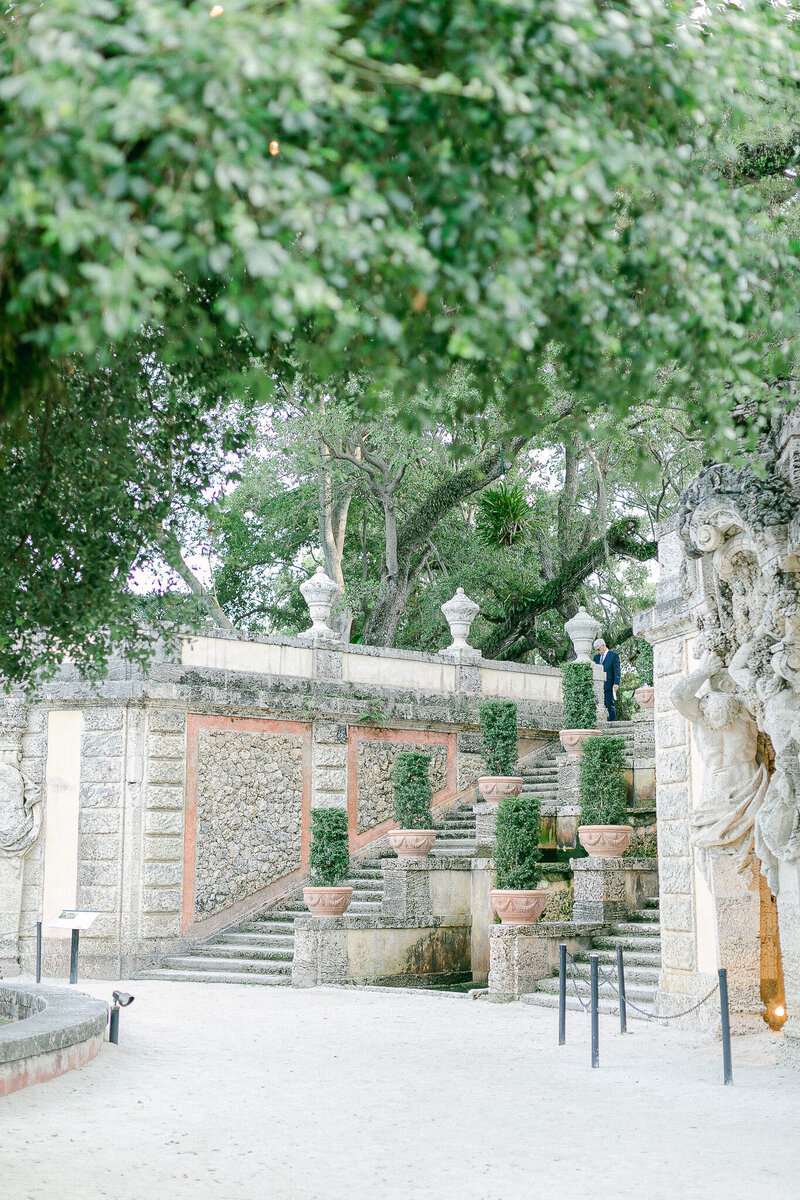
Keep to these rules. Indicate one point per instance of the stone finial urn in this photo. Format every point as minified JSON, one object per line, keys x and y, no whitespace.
{"x":319,"y":593}
{"x":645,"y":696}
{"x":459,"y":613}
{"x":572,"y":739}
{"x":582,"y":630}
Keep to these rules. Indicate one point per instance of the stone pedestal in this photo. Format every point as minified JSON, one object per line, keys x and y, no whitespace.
{"x":789,"y":929}
{"x":485,"y":829}
{"x":521,"y":955}
{"x":737,"y":901}
{"x":599,"y":890}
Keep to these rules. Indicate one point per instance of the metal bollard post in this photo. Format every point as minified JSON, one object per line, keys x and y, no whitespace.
{"x":38,"y":951}
{"x":562,"y":993}
{"x":73,"y":956}
{"x":727,"y":1066}
{"x":623,"y":1011}
{"x":594,"y":1004}
{"x":113,"y":1026}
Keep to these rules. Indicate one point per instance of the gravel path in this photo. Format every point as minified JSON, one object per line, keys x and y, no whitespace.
{"x":244,"y":1093}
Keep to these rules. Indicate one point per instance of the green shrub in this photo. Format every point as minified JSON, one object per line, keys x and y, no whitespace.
{"x":580,"y":702}
{"x":644,"y":844}
{"x":499,"y":736}
{"x":602,"y":781}
{"x":644,"y":662}
{"x":517,"y":853}
{"x":330,"y":853}
{"x":411,"y":781}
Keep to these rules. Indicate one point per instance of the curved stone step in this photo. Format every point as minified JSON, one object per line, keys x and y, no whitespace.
{"x":188,"y":976}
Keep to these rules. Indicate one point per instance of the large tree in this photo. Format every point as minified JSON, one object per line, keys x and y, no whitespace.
{"x":488,"y":182}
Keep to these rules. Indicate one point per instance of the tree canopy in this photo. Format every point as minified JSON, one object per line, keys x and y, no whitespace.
{"x":496,"y":183}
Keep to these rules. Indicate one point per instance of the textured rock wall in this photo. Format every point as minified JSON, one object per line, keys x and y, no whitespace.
{"x":249,"y":814}
{"x":375,"y":762}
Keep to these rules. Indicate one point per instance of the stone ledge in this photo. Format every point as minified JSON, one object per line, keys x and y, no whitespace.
{"x":563,"y":930}
{"x":454,"y":863}
{"x":48,"y":1019}
{"x":614,"y":864}
{"x":370,"y":921}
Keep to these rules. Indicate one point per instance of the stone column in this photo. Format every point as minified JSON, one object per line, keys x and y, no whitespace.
{"x":20,"y":822}
{"x":789,"y":929}
{"x":737,"y":901}
{"x":329,"y":765}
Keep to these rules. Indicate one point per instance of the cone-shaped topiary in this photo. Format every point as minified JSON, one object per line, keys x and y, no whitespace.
{"x":411,"y":780}
{"x":499,"y":736}
{"x":579,"y":701}
{"x":602,"y":781}
{"x":517,"y":853}
{"x":644,"y":662}
{"x":330,"y":853}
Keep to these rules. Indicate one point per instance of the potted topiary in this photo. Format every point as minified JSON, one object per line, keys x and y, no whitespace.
{"x":411,"y":780}
{"x":330,"y":864}
{"x":499,"y":747}
{"x":602,"y":832}
{"x":645,"y":693}
{"x":515,"y":897}
{"x":579,"y":706}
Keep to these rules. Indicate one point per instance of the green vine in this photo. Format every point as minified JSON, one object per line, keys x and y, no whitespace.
{"x":602,"y":781}
{"x":517,"y":853}
{"x":499,"y":736}
{"x":330,"y":854}
{"x":411,"y":782}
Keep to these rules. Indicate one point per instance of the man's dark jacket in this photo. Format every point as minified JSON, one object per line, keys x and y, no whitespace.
{"x":611,"y":668}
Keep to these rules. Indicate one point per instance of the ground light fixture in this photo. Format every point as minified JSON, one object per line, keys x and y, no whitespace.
{"x":121,"y":1000}
{"x":216,"y":11}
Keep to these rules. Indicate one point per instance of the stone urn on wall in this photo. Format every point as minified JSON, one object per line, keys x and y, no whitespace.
{"x":518,"y":907}
{"x":605,"y":841}
{"x":412,"y":843}
{"x":572,"y":739}
{"x":645,"y":696}
{"x":327,"y":901}
{"x":329,"y":859}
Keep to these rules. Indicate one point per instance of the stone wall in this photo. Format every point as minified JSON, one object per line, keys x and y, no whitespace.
{"x":249,"y":814}
{"x":375,"y":764}
{"x":170,"y":801}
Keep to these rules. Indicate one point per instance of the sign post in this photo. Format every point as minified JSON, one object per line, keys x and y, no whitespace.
{"x":76,"y":920}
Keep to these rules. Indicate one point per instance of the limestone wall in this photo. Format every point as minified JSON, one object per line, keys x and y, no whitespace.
{"x":177,"y":801}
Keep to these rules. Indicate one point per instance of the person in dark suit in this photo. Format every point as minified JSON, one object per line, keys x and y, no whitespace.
{"x":609,"y":660}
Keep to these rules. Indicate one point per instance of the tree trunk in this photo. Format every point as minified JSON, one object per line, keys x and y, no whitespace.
{"x":170,"y":548}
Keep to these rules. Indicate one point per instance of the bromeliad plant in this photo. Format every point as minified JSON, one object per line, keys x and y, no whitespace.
{"x":411,"y":781}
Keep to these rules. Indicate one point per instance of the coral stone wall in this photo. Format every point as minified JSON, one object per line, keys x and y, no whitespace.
{"x":375,"y":764}
{"x":249,"y":814}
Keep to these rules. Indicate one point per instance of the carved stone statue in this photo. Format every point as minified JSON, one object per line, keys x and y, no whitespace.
{"x":735,"y":782}
{"x":19,"y":824}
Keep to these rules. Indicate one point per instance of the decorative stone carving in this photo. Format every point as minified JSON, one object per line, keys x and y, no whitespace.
{"x":459,"y":613}
{"x":582,"y":629}
{"x":735,"y":781}
{"x":319,"y":593}
{"x":743,"y":584}
{"x":20,"y":824}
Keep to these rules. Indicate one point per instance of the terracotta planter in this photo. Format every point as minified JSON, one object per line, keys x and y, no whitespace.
{"x":412,"y":843}
{"x":572,"y":739}
{"x":327,"y":901}
{"x":605,"y":841}
{"x":495,"y":788}
{"x":645,"y":696}
{"x":518,"y":908}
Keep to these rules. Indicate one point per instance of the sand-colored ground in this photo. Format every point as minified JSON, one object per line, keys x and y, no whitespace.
{"x":240,"y":1093}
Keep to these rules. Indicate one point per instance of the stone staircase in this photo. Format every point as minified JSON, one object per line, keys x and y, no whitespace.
{"x":640,"y":938}
{"x":540,"y":769}
{"x":260,"y":950}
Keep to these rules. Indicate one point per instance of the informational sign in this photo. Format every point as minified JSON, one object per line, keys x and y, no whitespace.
{"x":74,"y":918}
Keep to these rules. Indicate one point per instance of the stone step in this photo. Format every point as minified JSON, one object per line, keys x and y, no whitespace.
{"x":191,"y":962}
{"x":628,"y":943}
{"x":608,"y":1007}
{"x":248,"y":953}
{"x":362,"y":908}
{"x":643,"y":914}
{"x":237,"y":938}
{"x":647,"y":975}
{"x":265,"y":979}
{"x":636,"y":991}
{"x":637,"y":928}
{"x":636,"y":958}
